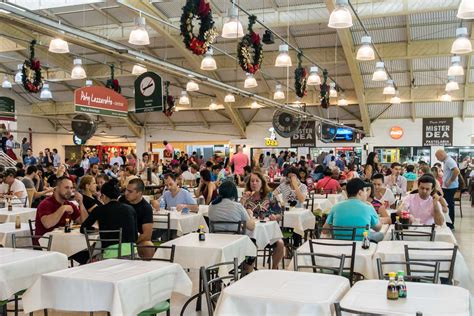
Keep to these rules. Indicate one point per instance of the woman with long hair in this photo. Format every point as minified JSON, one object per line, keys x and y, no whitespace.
{"x":88,"y":187}
{"x":206,"y":188}
{"x":371,"y":166}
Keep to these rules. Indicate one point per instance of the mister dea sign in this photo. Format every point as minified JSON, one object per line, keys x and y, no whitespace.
{"x":437,"y":132}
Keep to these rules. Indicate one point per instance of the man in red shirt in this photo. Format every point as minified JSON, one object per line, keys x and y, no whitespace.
{"x":328,"y":184}
{"x":239,"y":160}
{"x":53,"y":211}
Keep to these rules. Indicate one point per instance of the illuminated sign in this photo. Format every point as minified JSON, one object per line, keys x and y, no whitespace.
{"x":396,"y":132}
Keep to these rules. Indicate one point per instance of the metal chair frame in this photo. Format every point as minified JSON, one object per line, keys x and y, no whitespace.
{"x":409,"y":270}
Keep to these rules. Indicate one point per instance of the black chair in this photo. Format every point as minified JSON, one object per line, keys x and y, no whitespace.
{"x":95,"y":240}
{"x":318,"y":268}
{"x":168,"y":250}
{"x":32,"y":225}
{"x":35,"y":244}
{"x":413,"y":232}
{"x":425,"y":257}
{"x":339,"y":309}
{"x":158,"y":233}
{"x":240,"y":227}
{"x":288,"y":238}
{"x":310,"y":201}
{"x":429,"y":273}
{"x":336,"y":232}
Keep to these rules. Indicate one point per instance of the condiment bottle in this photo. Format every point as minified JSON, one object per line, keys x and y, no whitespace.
{"x":366,"y":241}
{"x":392,"y":289}
{"x":17,"y":222}
{"x":67,"y":225}
{"x":10,"y":205}
{"x":202,"y":234}
{"x":402,"y":287}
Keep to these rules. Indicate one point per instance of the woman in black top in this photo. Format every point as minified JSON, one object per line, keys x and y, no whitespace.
{"x":113,"y":215}
{"x":371,"y":166}
{"x":88,"y":186}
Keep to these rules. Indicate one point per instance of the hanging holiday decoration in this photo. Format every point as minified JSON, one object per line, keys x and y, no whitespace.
{"x":169,"y":104}
{"x":207,"y":32}
{"x":248,"y":45}
{"x":113,"y":83}
{"x":324,"y":96}
{"x":31,"y":72}
{"x":300,"y":77}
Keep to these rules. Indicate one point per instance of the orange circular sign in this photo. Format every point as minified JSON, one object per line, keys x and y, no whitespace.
{"x":396,"y":132}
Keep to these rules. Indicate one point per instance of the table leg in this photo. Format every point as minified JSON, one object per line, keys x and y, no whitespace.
{"x":201,"y":290}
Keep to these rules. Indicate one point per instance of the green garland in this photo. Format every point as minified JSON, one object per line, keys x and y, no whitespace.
{"x":250,"y":42}
{"x":300,"y":77}
{"x":324,"y":95}
{"x":31,"y":78}
{"x":207,"y":32}
{"x":168,"y":106}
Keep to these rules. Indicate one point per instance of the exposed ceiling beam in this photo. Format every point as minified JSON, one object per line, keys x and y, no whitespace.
{"x":170,"y":121}
{"x":346,"y":40}
{"x":203,"y":119}
{"x":107,"y":15}
{"x":410,"y":69}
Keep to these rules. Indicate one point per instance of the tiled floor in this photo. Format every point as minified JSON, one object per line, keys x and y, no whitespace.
{"x":464,"y":234}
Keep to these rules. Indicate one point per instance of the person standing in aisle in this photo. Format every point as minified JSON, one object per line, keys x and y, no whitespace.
{"x":24,"y":148}
{"x":450,"y":181}
{"x":56,"y":158}
{"x":239,"y":161}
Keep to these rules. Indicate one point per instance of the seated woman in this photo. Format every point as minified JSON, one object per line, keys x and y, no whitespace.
{"x":206,"y":187}
{"x":259,"y":200}
{"x":304,"y":178}
{"x":328,"y":185}
{"x":88,"y":187}
{"x":379,"y":206}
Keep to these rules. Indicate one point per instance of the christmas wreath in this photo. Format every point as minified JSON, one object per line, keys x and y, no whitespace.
{"x":169,"y":101}
{"x":300,"y":78}
{"x":113,"y":83}
{"x":250,"y":42}
{"x":324,"y":95}
{"x":31,"y":72}
{"x":207,"y":32}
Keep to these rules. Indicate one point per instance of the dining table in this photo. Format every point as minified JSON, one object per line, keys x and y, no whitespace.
{"x":25,"y":213}
{"x":300,"y":219}
{"x":7,"y":230}
{"x":183,"y":223}
{"x":442,"y":233}
{"x":66,"y":243}
{"x":265,"y":233}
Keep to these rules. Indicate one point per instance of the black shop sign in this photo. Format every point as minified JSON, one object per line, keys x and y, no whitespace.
{"x":305,"y":136}
{"x":437,"y":132}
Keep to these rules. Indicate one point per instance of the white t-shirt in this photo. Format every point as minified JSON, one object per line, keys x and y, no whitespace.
{"x":17,"y":186}
{"x":117,"y":160}
{"x":188,"y":176}
{"x":154,"y":178}
{"x":388,"y":196}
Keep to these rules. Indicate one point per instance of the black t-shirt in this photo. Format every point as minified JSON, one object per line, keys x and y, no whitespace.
{"x":112,"y":216}
{"x":143,"y":210}
{"x":90,"y":202}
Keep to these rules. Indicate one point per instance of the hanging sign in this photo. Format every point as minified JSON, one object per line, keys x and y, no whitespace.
{"x":396,"y":132}
{"x":7,"y":106}
{"x":438,"y":131}
{"x":148,"y":93}
{"x":100,"y":101}
{"x":271,"y":141}
{"x":305,"y":136}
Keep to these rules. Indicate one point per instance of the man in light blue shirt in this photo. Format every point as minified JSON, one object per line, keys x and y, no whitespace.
{"x":177,"y":197}
{"x":450,"y":181}
{"x":328,"y":157}
{"x":355,"y":212}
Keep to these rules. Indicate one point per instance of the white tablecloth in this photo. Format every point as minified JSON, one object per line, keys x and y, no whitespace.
{"x":394,"y":251}
{"x":333,"y":198}
{"x":66,"y":243}
{"x":363,"y":257}
{"x":25,"y":214}
{"x":8,"y":229}
{"x":300,"y":220}
{"x":430,"y":299}
{"x":193,"y":254}
{"x":443,"y":233}
{"x":182,"y":223}
{"x":265,"y":233}
{"x":20,"y":268}
{"x":322,"y":205}
{"x":204,"y":210}
{"x":273,"y":292}
{"x":122,"y":287}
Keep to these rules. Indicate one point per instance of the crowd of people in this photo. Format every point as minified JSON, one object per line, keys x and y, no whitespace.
{"x":113,"y":194}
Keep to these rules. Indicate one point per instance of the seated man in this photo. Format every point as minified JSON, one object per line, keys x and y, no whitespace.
{"x":189,"y":176}
{"x":291,"y":188}
{"x":395,"y":182}
{"x":13,"y":186}
{"x":327,"y":184}
{"x":53,"y":211}
{"x":355,"y":212}
{"x":178,"y":197}
{"x":423,"y":204}
{"x":144,"y":212}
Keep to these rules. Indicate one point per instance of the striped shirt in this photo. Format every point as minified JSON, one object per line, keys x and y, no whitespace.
{"x":289,"y":194}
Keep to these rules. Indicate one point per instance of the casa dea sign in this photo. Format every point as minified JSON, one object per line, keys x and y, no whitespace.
{"x":438,"y":131}
{"x":100,"y":101}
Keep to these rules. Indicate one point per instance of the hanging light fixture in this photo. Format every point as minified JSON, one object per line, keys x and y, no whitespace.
{"x":462,"y":44}
{"x":208,"y":62}
{"x":332,"y":90}
{"x":58,"y":46}
{"x":313,"y":78}
{"x":455,"y":69}
{"x":139,"y":36}
{"x":213,"y":105}
{"x":283,"y":59}
{"x":466,"y":10}
{"x":250,"y":82}
{"x":6,"y":84}
{"x":19,"y":74}
{"x":446,"y":97}
{"x":78,"y":71}
{"x":340,"y":17}
{"x":380,"y":74}
{"x":452,"y":85}
{"x":342,"y":100}
{"x":192,"y":86}
{"x":279,"y":94}
{"x":229,"y":98}
{"x":232,"y":27}
{"x":138,"y":69}
{"x":396,"y":98}
{"x":255,"y":105}
{"x":389,"y":88}
{"x":184,"y":98}
{"x":45,"y":92}
{"x":89,"y":83}
{"x":365,"y":52}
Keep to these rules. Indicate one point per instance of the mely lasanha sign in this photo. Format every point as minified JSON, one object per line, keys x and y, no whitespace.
{"x":100,"y":101}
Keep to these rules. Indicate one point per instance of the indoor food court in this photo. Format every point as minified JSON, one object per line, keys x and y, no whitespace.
{"x":236,"y":158}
